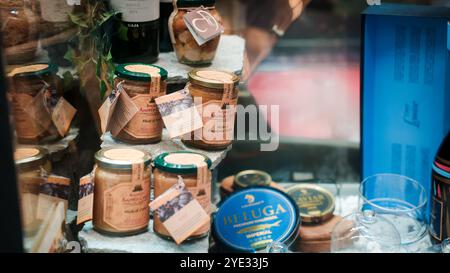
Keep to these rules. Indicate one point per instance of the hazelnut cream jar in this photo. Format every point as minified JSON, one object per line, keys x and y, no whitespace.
{"x":32,"y":168}
{"x":122,"y":191}
{"x":193,"y":168}
{"x":27,"y":82}
{"x":215,"y":93}
{"x":186,"y":48}
{"x":143,"y":83}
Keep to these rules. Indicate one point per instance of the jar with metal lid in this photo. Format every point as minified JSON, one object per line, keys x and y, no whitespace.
{"x":168,"y":168}
{"x":32,"y":168}
{"x":26,"y":83}
{"x":143,"y":83}
{"x":215,"y":93}
{"x":122,"y":191}
{"x":20,"y":30}
{"x":186,"y":48}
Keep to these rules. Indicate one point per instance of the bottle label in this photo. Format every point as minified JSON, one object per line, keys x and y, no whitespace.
{"x":439,"y":227}
{"x":136,"y":11}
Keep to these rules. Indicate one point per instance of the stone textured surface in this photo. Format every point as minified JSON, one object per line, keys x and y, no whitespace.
{"x":148,"y":242}
{"x":229,"y":56}
{"x":166,"y":145}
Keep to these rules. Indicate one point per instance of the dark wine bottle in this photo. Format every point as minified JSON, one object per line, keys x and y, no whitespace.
{"x":136,"y":36}
{"x":166,"y":8}
{"x":440,"y":194}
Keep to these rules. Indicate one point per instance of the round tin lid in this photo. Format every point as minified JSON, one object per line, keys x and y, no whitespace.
{"x":140,"y":72}
{"x":30,"y":156}
{"x":250,"y":178}
{"x":36,"y":69}
{"x":212,"y":78}
{"x":195,"y":3}
{"x":121,"y":157}
{"x":182,"y":162}
{"x":315,"y":203}
{"x":250,"y":219}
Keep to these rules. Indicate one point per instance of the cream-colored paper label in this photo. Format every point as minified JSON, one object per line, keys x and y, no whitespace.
{"x":62,"y":116}
{"x":86,"y":198}
{"x":147,"y":122}
{"x":126,"y":206}
{"x":124,"y":112}
{"x":26,"y":126}
{"x":53,"y":191}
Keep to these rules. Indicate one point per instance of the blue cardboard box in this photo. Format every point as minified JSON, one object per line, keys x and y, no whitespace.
{"x":405,"y":88}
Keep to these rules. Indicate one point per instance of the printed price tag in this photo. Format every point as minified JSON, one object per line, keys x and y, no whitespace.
{"x":179,"y":113}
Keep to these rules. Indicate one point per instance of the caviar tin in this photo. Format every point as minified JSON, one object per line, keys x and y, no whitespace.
{"x":250,"y":219}
{"x":315,"y":203}
{"x":251,"y":178}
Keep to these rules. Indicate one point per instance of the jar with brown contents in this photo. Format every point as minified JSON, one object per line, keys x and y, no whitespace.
{"x":26,"y":83}
{"x":168,"y":166}
{"x":186,"y":48}
{"x":215,"y":93}
{"x":143,"y":83}
{"x":32,"y":167}
{"x":122,"y":191}
{"x":19,"y":28}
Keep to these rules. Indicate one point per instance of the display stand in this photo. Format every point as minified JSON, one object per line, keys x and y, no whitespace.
{"x":230,"y":56}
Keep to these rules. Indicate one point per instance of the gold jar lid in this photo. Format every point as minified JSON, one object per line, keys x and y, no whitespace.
{"x":315,"y":203}
{"x":251,"y":178}
{"x":212,"y":78}
{"x":121,"y":158}
{"x":30,"y":156}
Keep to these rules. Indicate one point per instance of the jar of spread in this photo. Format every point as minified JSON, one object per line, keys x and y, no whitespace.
{"x":193,"y":168}
{"x":186,"y":48}
{"x":143,"y":83}
{"x":215,"y":93}
{"x":122,"y":191}
{"x":32,"y":168}
{"x":27,"y":82}
{"x":19,"y":28}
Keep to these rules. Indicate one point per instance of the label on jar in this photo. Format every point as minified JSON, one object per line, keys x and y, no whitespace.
{"x":26,"y":127}
{"x":38,"y":110}
{"x":218,"y":123}
{"x":179,"y":113}
{"x":86,"y":198}
{"x":202,"y":25}
{"x":147,"y":122}
{"x":135,"y":11}
{"x":126,"y":206}
{"x":62,"y":116}
{"x":54,"y":190}
{"x":180,"y":212}
{"x":55,"y":11}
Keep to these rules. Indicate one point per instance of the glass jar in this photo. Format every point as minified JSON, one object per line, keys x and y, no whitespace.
{"x":136,"y":35}
{"x":168,"y":166}
{"x":186,"y":48}
{"x":216,"y":104}
{"x":19,"y":30}
{"x":26,"y":83}
{"x":121,"y":195}
{"x":143,"y":83}
{"x":32,"y":168}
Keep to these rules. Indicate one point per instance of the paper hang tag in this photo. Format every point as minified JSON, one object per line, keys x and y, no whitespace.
{"x":179,"y":113}
{"x":62,"y":116}
{"x":202,"y":25}
{"x":107,"y":109}
{"x":228,"y":94}
{"x":86,"y":198}
{"x":54,"y":190}
{"x":180,"y":213}
{"x":37,"y":109}
{"x":124,"y":111}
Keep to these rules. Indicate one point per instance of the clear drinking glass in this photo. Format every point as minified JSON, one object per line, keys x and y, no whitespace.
{"x":365,"y":232}
{"x":401,"y":200}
